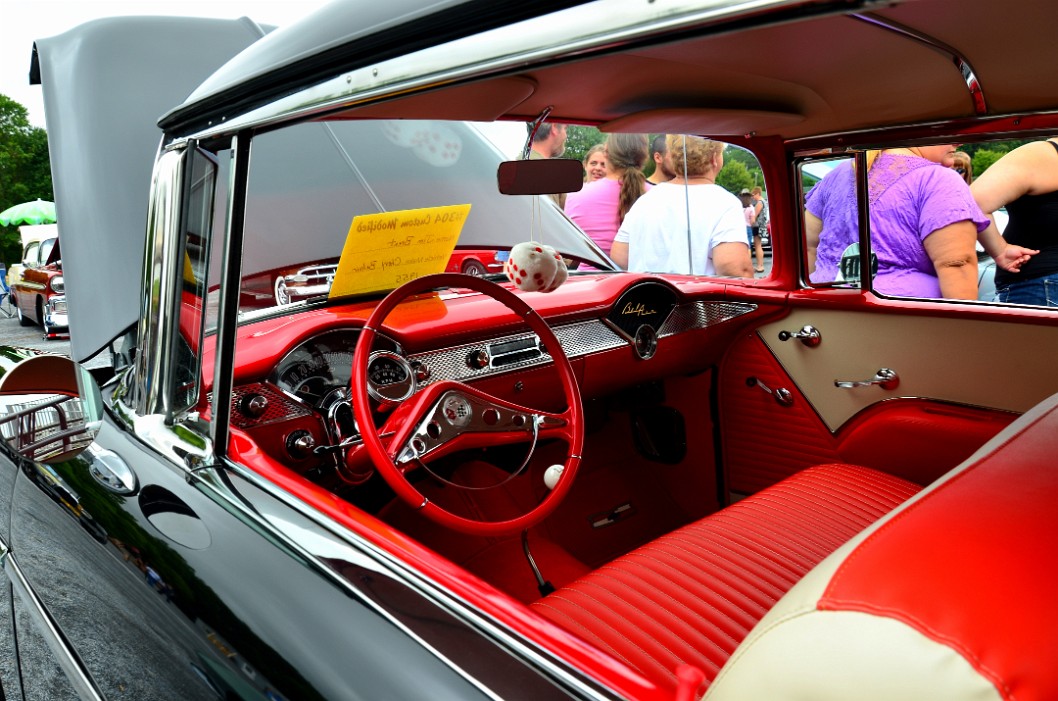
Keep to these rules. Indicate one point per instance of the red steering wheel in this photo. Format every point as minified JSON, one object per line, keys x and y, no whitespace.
{"x":448,"y":416}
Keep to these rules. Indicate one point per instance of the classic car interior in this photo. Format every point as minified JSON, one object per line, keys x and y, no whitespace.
{"x":727,"y":485}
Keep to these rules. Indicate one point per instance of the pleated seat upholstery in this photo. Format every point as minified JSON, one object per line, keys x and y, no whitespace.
{"x":692,"y":596}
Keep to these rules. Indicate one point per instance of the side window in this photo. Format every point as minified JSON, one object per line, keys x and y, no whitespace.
{"x":922,"y":217}
{"x":831,"y":223}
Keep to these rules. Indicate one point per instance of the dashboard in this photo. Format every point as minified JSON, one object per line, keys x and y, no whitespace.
{"x":301,"y":414}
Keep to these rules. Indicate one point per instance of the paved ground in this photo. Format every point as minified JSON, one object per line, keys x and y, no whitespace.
{"x":12,"y":334}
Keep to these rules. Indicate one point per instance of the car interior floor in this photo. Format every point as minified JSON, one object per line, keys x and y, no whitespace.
{"x":621,"y":500}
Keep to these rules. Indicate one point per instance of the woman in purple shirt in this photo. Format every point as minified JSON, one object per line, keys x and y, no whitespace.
{"x":924,"y":223}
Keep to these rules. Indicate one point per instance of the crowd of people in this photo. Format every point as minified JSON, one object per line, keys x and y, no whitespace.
{"x":677,"y":220}
{"x":927,"y":215}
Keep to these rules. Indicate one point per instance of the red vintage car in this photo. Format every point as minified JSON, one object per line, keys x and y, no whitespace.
{"x":672,"y":481}
{"x":40,"y":293}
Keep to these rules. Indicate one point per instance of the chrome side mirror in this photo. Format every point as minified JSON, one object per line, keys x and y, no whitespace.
{"x":50,"y":408}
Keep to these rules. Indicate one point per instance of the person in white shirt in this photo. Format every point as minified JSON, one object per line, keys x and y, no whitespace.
{"x":688,"y":224}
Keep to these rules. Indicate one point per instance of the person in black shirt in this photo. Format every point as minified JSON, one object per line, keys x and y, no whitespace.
{"x":1024,"y":180}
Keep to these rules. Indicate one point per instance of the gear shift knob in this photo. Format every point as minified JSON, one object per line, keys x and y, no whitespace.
{"x":552,"y":475}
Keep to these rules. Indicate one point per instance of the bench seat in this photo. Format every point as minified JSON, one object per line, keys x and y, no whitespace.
{"x":692,"y":596}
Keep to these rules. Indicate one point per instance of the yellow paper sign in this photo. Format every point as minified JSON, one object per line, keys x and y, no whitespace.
{"x":384,"y":251}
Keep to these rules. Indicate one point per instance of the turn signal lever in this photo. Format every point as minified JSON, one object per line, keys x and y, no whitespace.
{"x":808,"y":335}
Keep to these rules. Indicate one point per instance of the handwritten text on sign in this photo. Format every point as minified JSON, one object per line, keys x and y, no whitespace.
{"x":383,"y":251}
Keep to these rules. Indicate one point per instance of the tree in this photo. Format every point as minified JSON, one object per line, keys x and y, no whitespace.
{"x":25,"y":171}
{"x":734,"y":176}
{"x":984,"y":158}
{"x":580,"y":139}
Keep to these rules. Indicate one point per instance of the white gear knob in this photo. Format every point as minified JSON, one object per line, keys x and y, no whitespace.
{"x":552,"y":475}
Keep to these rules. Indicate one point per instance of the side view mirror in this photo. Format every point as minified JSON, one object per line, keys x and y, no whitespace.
{"x":50,"y":408}
{"x":547,"y":176}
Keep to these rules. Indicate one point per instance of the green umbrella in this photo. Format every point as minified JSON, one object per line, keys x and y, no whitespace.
{"x":36,"y":212}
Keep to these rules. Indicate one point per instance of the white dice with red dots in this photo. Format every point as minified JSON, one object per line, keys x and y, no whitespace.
{"x":534,"y":267}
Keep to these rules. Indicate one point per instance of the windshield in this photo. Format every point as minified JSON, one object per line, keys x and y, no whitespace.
{"x":309,"y":183}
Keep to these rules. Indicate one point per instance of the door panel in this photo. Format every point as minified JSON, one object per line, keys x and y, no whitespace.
{"x":979,"y":360}
{"x":952,"y":394}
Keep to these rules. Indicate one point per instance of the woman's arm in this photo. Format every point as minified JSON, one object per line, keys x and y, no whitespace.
{"x":951,"y":249}
{"x":813,"y":227}
{"x":732,"y":259}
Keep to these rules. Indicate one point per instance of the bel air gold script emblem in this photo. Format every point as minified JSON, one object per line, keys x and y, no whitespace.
{"x":637,"y":310}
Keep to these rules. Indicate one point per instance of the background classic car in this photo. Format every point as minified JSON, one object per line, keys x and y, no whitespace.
{"x":39,"y":290}
{"x":295,"y":497}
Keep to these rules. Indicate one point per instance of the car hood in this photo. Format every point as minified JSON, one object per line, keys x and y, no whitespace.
{"x":105,"y":84}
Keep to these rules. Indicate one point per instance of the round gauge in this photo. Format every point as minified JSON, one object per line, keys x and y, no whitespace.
{"x":317,"y":367}
{"x":456,"y":410}
{"x":389,"y":377}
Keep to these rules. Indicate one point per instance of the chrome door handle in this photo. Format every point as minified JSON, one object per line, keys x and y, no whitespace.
{"x":808,"y":335}
{"x":781,"y":395}
{"x":884,"y":378}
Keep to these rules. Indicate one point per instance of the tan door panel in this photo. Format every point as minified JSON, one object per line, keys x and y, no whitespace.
{"x":970,"y":361}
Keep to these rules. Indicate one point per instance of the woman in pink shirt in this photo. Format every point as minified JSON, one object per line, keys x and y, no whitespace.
{"x":600,"y":207}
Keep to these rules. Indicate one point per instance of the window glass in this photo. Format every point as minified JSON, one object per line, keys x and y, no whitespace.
{"x":308,"y":183}
{"x":45,"y":250}
{"x":931,"y":226}
{"x":31,"y":254}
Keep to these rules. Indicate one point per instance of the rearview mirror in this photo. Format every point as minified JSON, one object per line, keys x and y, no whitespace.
{"x":540,"y":177}
{"x":50,"y":408}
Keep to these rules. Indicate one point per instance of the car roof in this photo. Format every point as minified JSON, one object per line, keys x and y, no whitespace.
{"x":793,"y":69}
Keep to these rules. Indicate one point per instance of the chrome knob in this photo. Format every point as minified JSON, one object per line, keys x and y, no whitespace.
{"x":808,"y":335}
{"x":253,"y":405}
{"x":300,"y":444}
{"x":478,"y":360}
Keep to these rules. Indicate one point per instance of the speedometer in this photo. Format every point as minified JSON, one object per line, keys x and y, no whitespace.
{"x":317,"y":367}
{"x":389,"y":377}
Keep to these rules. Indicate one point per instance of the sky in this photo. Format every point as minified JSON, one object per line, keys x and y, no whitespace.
{"x":25,"y":21}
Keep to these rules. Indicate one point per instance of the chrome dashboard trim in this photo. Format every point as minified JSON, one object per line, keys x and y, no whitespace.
{"x":577,"y":339}
{"x":701,"y":315}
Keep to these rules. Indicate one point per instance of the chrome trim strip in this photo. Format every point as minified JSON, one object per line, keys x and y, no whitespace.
{"x":973,"y":85}
{"x":231,"y":272}
{"x":577,"y":339}
{"x":156,"y":341}
{"x":701,"y":315}
{"x":65,"y":656}
{"x":458,"y":608}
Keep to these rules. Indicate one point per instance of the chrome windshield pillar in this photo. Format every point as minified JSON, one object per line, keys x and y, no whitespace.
{"x":156,"y":331}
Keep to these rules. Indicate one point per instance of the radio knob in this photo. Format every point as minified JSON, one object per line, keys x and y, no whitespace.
{"x":253,"y":405}
{"x":478,"y":360}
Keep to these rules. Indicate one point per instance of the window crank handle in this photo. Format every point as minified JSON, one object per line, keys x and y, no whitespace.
{"x":808,"y":335}
{"x":884,"y":378}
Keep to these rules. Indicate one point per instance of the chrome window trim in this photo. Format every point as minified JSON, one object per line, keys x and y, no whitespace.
{"x":156,"y":331}
{"x":65,"y":656}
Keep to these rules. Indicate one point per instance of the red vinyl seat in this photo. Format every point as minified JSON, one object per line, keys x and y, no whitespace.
{"x":692,"y":596}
